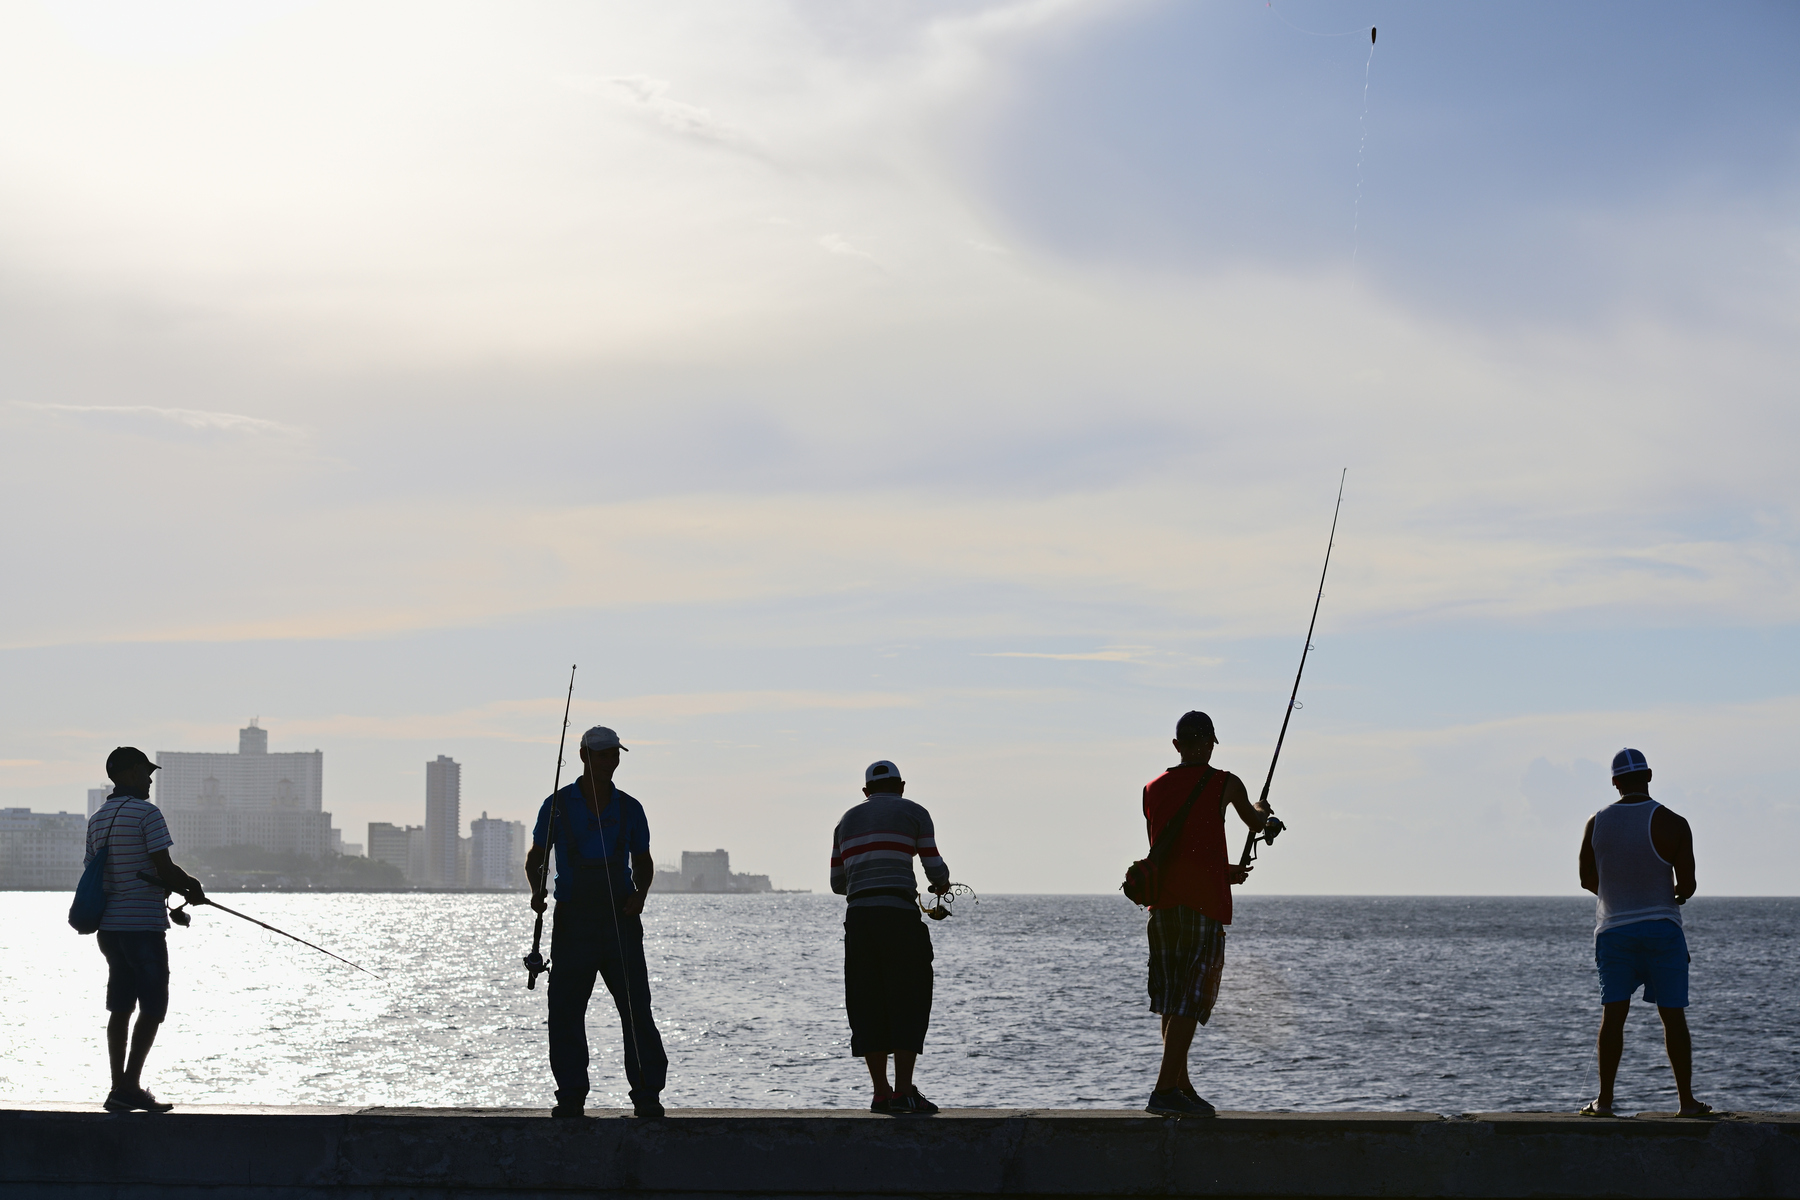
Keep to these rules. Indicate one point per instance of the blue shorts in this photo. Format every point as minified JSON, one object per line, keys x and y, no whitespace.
{"x":1651,"y":953}
{"x":137,"y":974}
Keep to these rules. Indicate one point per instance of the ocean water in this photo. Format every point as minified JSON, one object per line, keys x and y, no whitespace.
{"x":1436,"y":1004}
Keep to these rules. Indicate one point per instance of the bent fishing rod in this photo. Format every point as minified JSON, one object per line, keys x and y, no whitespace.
{"x":1274,"y":825}
{"x":534,"y":962}
{"x":182,"y":918}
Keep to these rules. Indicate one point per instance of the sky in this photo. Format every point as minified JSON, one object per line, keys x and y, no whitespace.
{"x":961,"y":384}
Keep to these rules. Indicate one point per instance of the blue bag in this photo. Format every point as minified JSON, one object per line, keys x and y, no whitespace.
{"x":90,"y":894}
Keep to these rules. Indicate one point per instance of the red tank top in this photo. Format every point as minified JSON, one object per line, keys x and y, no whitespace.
{"x":1196,"y":870}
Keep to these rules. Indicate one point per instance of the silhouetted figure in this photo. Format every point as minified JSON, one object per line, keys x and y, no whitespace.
{"x":887,"y":949}
{"x":1190,"y":912}
{"x":603,"y":873}
{"x":1638,"y":857}
{"x":133,"y":933}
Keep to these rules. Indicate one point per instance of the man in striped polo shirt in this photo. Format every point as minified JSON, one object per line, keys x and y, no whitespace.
{"x":133,"y":932}
{"x":887,"y":950}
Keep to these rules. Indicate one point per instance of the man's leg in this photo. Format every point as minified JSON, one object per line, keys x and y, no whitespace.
{"x":628,"y":979}
{"x":904,"y":1061}
{"x":877,"y":1064}
{"x":1178,"y":1036}
{"x":1680,"y":1045}
{"x":571,"y":983}
{"x":142,"y":1038}
{"x":118,"y":1031}
{"x":1611,"y":1047}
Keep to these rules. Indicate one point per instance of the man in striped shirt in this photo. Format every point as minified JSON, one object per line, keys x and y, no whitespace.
{"x":133,"y":932}
{"x":887,"y":950}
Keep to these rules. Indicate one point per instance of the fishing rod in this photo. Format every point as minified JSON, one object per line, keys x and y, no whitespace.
{"x":181,"y":918}
{"x":1274,"y":825}
{"x":534,"y":962}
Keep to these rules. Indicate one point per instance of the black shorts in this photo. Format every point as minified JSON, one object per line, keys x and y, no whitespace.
{"x":137,"y":975}
{"x":887,"y":980}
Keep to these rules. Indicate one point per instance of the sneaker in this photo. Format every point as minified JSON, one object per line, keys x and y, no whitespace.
{"x":880,"y":1104}
{"x":911,"y":1103}
{"x":1175,"y":1103}
{"x":571,"y":1112}
{"x":650,"y":1109}
{"x":1191,"y":1094}
{"x":124,"y":1100}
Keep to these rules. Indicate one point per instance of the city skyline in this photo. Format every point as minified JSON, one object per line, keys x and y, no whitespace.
{"x":965,"y":386}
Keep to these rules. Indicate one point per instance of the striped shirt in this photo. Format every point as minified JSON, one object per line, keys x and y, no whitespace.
{"x":873,"y":847}
{"x":136,"y":834}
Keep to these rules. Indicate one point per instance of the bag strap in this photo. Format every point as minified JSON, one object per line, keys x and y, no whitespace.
{"x":1171,"y":833}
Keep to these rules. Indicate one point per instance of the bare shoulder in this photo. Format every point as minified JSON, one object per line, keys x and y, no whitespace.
{"x":1668,"y":818}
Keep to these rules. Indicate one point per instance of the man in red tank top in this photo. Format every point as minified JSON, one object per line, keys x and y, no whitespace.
{"x":1193,"y":905}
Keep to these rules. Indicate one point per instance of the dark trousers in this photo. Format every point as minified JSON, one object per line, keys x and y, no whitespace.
{"x":887,"y":980}
{"x":583,"y":944}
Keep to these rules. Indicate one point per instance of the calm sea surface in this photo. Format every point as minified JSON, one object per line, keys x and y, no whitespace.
{"x":1446,"y":1005}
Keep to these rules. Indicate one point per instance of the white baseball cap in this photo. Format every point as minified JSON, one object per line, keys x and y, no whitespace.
{"x":880,"y":772}
{"x":601,"y":738}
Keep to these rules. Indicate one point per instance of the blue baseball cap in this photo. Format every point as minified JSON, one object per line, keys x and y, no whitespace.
{"x":1195,"y":726}
{"x":1628,"y":760}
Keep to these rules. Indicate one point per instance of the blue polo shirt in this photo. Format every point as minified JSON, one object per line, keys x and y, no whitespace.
{"x":595,"y":840}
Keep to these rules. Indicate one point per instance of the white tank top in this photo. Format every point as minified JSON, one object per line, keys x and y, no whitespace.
{"x":1636,"y":883}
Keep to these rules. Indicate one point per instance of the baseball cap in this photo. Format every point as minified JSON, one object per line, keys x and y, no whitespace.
{"x":880,"y":771}
{"x":1628,"y":760}
{"x":1195,"y":726}
{"x":124,"y":758}
{"x":601,"y":738}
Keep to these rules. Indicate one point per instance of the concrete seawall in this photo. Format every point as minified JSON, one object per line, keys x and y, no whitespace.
{"x":462,"y":1154}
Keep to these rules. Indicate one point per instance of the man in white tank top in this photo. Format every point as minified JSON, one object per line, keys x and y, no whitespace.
{"x":1638,"y":857}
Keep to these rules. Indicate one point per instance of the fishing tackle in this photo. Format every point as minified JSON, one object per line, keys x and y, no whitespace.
{"x":183,"y":918}
{"x":946,"y":900}
{"x":1274,"y":825}
{"x":535,"y":962}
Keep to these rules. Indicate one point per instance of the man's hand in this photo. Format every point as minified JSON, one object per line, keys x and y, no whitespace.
{"x":634,"y":903}
{"x":1237,"y":874}
{"x":540,"y":900}
{"x":938,"y":889}
{"x":193,"y":893}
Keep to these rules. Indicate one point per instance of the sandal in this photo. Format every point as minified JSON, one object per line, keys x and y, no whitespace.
{"x":1592,"y":1109}
{"x":1699,"y":1110}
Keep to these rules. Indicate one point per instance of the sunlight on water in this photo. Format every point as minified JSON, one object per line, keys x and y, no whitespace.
{"x":1442,"y":1005}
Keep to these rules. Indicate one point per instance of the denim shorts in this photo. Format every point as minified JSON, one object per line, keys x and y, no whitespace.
{"x":137,"y":976}
{"x":1651,"y":953}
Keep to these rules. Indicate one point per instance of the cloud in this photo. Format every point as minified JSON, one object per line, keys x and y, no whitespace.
{"x":186,"y":418}
{"x":1122,"y":654}
{"x":688,"y":120}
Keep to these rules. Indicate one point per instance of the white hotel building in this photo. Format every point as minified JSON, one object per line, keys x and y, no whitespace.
{"x":251,"y":798}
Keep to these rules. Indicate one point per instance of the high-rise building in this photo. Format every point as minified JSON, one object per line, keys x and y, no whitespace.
{"x":706,"y":870}
{"x":443,"y":822}
{"x":251,"y":798}
{"x":41,"y":850}
{"x":97,"y":797}
{"x":496,"y":853}
{"x":392,"y":844}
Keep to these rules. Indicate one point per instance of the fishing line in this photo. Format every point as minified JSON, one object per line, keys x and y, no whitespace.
{"x":535,"y":963}
{"x":1361,"y":145}
{"x":618,"y":938}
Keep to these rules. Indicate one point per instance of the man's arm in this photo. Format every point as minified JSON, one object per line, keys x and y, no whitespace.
{"x":535,"y":861}
{"x":643,"y":874}
{"x":1673,"y":840}
{"x":840,"y":879}
{"x":1252,"y":815}
{"x":178,"y":880}
{"x":1590,"y":871}
{"x":936,"y":869}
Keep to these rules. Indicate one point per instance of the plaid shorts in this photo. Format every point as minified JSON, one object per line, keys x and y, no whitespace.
{"x":1187,"y":958}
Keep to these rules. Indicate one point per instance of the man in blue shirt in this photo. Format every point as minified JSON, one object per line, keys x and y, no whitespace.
{"x":603,"y":873}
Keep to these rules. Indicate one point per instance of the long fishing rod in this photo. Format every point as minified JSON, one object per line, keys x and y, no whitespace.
{"x":534,"y":962}
{"x":1274,"y":825}
{"x":147,"y":877}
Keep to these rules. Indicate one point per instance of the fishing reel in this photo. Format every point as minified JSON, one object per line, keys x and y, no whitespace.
{"x":1272,"y":825}
{"x":180,"y":915}
{"x":535,"y":964}
{"x":946,"y":901}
